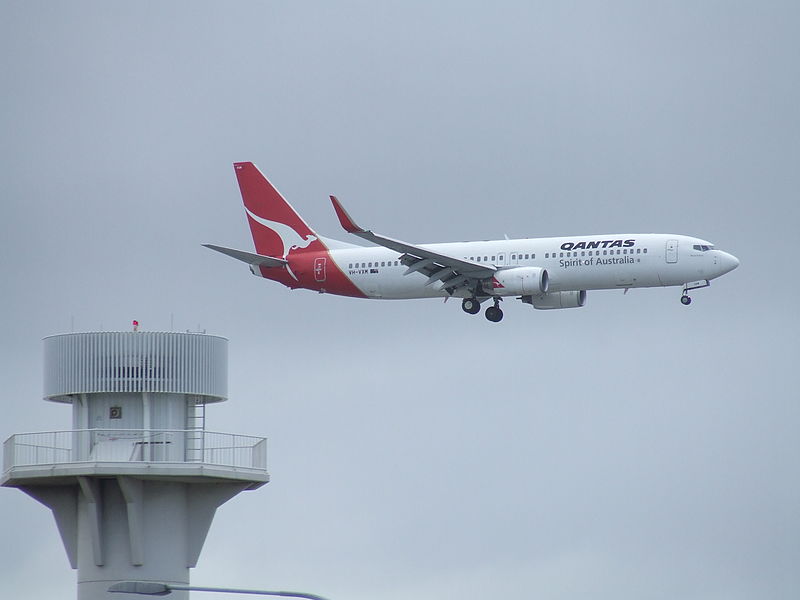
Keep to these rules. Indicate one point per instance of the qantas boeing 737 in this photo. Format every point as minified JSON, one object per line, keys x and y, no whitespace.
{"x":547,"y":273}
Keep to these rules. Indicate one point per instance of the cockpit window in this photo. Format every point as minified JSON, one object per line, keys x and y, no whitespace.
{"x":702,"y":247}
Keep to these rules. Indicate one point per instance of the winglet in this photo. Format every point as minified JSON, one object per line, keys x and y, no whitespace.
{"x":347,"y":222}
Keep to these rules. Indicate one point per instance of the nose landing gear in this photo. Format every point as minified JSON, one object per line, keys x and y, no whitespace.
{"x":692,"y":285}
{"x":493,"y":313}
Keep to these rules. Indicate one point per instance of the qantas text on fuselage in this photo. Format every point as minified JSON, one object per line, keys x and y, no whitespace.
{"x":547,"y":273}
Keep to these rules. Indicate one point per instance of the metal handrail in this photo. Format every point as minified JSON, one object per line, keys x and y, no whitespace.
{"x":135,"y":446}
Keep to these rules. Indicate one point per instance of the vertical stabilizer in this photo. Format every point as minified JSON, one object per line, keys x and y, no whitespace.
{"x":276,"y":227}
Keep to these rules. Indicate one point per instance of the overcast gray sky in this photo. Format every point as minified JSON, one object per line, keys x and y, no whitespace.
{"x":631,"y":449}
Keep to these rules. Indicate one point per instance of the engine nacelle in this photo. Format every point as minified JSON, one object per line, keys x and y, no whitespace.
{"x":519,"y":281}
{"x":556,"y":300}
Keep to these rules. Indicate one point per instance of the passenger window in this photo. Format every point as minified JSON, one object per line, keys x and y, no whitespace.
{"x":644,"y":251}
{"x":562,"y":255}
{"x":485,"y":258}
{"x":494,"y":258}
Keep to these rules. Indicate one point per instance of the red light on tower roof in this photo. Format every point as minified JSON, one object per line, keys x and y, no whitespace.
{"x":135,"y":325}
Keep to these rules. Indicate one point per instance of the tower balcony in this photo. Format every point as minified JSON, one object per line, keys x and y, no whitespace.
{"x":60,"y":456}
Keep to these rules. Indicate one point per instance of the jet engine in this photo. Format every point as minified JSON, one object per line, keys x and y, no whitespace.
{"x":556,"y":300}
{"x":519,"y":281}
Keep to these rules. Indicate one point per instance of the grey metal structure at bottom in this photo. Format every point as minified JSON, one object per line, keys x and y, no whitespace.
{"x":135,"y":484}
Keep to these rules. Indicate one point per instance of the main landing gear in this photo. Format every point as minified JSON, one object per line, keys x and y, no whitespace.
{"x":493,"y":313}
{"x":472,"y":306}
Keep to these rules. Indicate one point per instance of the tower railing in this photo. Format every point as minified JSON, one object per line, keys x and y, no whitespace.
{"x":134,"y":446}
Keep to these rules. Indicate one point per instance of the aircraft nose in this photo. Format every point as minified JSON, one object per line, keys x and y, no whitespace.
{"x":727,"y":262}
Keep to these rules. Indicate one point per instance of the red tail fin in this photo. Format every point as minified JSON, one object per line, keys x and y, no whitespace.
{"x":277,"y":229}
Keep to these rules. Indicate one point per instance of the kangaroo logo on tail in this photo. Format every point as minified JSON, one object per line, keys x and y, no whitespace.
{"x":290,"y":239}
{"x":276,"y":227}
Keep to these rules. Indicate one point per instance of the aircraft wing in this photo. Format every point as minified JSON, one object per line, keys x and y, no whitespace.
{"x":452,"y":272}
{"x":258,"y":260}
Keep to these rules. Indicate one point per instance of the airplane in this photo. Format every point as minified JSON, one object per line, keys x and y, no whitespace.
{"x":546,"y":273}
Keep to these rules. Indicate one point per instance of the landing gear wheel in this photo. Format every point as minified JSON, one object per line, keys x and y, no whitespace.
{"x":686,"y":300}
{"x":471,"y":306}
{"x":494,"y":314}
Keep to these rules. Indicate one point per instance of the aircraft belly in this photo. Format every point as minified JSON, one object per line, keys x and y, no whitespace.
{"x":589,"y":280}
{"x":674,"y":274}
{"x":399,"y":287}
{"x":601,"y":276}
{"x":368,"y":285}
{"x":387,"y":282}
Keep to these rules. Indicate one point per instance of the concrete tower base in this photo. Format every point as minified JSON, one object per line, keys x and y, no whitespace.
{"x":126,"y":528}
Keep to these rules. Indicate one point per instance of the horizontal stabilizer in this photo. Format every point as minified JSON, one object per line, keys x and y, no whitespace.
{"x":250,"y":258}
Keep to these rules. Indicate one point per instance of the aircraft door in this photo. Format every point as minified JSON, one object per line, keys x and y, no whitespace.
{"x":320,"y":269}
{"x":672,"y":251}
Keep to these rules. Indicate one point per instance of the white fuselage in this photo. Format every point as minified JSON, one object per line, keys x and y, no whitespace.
{"x":573,"y":263}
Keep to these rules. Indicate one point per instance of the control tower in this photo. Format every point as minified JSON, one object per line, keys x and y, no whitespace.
{"x":135,"y":483}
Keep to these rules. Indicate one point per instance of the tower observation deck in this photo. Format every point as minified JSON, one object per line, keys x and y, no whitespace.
{"x":135,"y":483}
